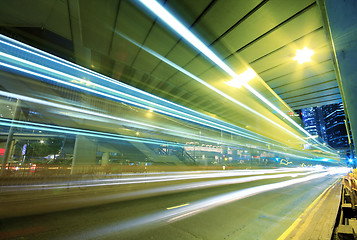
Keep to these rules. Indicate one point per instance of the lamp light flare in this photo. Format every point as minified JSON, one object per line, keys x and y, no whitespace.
{"x":304,"y":55}
{"x":242,"y":78}
{"x":178,"y":27}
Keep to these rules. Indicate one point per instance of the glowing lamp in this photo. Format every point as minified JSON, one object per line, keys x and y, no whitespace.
{"x":304,"y":55}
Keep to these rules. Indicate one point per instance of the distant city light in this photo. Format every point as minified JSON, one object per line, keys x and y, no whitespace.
{"x":304,"y":55}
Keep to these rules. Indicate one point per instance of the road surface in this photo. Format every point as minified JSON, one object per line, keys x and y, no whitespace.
{"x":257,"y":206}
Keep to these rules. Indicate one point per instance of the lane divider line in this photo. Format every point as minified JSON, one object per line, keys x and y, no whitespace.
{"x":182,"y":205}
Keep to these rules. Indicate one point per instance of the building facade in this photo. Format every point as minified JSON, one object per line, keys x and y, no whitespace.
{"x":328,"y":122}
{"x":334,"y":117}
{"x":309,"y":119}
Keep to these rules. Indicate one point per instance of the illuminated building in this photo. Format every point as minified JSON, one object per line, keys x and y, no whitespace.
{"x":335,"y":126}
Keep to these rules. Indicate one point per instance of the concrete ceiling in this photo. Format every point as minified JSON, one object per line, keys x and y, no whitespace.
{"x":261,"y":34}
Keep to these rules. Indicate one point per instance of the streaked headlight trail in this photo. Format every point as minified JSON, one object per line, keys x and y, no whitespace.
{"x":192,"y":39}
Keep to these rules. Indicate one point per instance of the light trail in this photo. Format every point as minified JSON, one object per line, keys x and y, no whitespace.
{"x":192,"y":39}
{"x":193,"y":119}
{"x":80,"y":110}
{"x":210,"y":86}
{"x":217,"y":90}
{"x":91,"y":133}
{"x":178,"y":177}
{"x":193,"y":208}
{"x":126,"y":97}
{"x":73,"y":131}
{"x":261,"y":97}
{"x":75,"y":67}
{"x":96,"y":75}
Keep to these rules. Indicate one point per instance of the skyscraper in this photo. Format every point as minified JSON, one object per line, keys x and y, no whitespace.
{"x":320,"y":124}
{"x":334,"y":117}
{"x":309,"y":119}
{"x":314,"y":121}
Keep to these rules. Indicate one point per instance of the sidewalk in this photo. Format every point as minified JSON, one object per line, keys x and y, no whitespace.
{"x":318,"y":220}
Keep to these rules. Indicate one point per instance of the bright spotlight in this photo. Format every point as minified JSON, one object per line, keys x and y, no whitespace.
{"x":304,"y":55}
{"x":242,"y":78}
{"x":350,"y":160}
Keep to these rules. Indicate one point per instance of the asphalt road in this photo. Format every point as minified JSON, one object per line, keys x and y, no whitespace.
{"x":247,"y":210}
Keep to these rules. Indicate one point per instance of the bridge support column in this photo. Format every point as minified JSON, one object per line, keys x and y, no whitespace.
{"x":105,"y":159}
{"x":10,"y":142}
{"x":84,"y":155}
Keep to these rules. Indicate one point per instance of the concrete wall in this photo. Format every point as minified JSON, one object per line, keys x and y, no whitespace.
{"x":342,"y":19}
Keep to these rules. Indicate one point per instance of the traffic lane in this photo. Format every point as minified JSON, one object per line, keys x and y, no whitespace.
{"x":263,"y":216}
{"x":50,"y":225}
{"x":62,"y":199}
{"x":65,"y":224}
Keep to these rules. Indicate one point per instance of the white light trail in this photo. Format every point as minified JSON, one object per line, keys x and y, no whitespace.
{"x":92,"y":113}
{"x":76,"y":79}
{"x":65,"y":63}
{"x":184,"y":32}
{"x":90,"y":133}
{"x":67,"y":130}
{"x":177,"y":113}
{"x":192,"y":208}
{"x":177,"y":26}
{"x":167,"y":178}
{"x":212,"y":88}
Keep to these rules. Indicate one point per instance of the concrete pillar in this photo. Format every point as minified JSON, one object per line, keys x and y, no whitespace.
{"x":84,"y":155}
{"x":9,"y":142}
{"x":341,"y":18}
{"x":234,"y":154}
{"x":105,"y":159}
